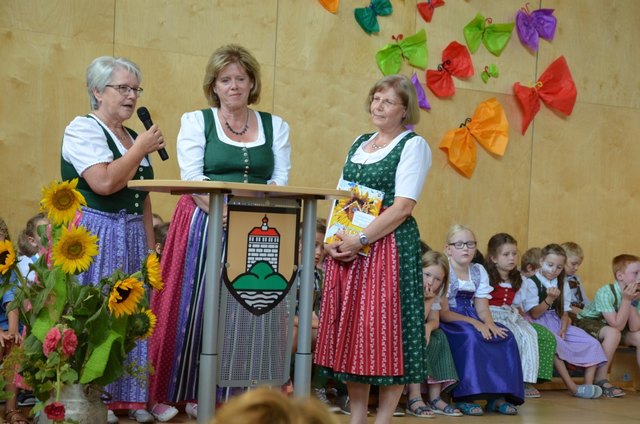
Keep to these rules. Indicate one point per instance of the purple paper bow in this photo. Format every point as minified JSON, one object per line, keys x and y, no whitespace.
{"x":422,"y":97}
{"x":534,"y":25}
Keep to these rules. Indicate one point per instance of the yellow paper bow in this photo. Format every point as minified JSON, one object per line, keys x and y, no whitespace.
{"x":489,"y":126}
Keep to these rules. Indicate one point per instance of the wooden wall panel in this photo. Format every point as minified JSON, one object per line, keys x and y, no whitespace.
{"x":90,"y":20}
{"x":317,"y":69}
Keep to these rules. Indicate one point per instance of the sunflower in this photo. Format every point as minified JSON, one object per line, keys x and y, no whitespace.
{"x":75,"y":250}
{"x":61,"y":201}
{"x":125,"y":296}
{"x":143,"y":323}
{"x":7,"y":256}
{"x":151,"y":272}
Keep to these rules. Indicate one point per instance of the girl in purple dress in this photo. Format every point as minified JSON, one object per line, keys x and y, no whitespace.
{"x":485,"y":353}
{"x":548,"y":305}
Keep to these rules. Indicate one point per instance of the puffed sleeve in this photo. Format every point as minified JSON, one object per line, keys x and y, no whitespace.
{"x":84,"y":144}
{"x":566,"y":292}
{"x":281,"y":152}
{"x":415,"y":162}
{"x":530,"y":298}
{"x":190,"y":146}
{"x":484,"y":288}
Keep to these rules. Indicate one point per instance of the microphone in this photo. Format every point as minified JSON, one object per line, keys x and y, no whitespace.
{"x":145,"y":117}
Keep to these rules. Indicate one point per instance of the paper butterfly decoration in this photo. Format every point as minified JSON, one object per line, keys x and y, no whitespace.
{"x":489,"y":126}
{"x":534,"y":25}
{"x":494,"y":36}
{"x":555,"y":88}
{"x":422,"y":96}
{"x":456,"y":61}
{"x":490,"y":71}
{"x":330,"y":5}
{"x":367,"y":16}
{"x":426,"y":9}
{"x":413,"y":48}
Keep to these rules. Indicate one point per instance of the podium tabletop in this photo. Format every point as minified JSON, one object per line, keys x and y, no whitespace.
{"x":238,"y":189}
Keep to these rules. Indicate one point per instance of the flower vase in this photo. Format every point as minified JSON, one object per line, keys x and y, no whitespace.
{"x":82,"y":404}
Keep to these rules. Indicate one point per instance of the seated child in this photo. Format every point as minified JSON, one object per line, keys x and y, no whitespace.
{"x":548,"y":305}
{"x":485,"y":353}
{"x":614,"y":316}
{"x":442,"y":374}
{"x":9,"y":335}
{"x":530,"y":262}
{"x":579,"y":298}
{"x":536,"y":344}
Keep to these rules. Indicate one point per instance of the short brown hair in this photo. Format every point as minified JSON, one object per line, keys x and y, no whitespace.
{"x":531,"y":257}
{"x":621,"y":262}
{"x":221,"y":58}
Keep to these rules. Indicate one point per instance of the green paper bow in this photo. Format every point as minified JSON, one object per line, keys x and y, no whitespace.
{"x":367,"y":16}
{"x":489,"y":71}
{"x":413,"y":48}
{"x":494,"y":36}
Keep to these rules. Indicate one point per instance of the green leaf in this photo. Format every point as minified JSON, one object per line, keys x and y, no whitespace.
{"x":104,"y":363}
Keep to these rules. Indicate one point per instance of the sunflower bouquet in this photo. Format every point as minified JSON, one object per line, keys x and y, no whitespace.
{"x":73,"y":333}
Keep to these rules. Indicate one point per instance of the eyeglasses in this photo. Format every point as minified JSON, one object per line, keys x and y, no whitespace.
{"x":386,"y":102}
{"x":125,"y":89}
{"x":461,"y":244}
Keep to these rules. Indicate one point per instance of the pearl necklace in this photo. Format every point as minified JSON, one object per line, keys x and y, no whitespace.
{"x":376,"y":147}
{"x":243,"y":130}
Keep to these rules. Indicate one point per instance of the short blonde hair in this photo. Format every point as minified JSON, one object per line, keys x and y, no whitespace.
{"x":221,"y":58}
{"x":404,"y":88}
{"x":573,"y":249}
{"x":270,"y":406}
{"x":456,"y":228}
{"x":531,"y":257}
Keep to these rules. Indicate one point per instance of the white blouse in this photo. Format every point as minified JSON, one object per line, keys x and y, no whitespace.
{"x":415,"y":162}
{"x":84,"y":144}
{"x":530,"y":297}
{"x":191,"y":145}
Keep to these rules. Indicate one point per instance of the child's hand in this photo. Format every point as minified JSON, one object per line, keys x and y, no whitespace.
{"x":565,"y":324}
{"x":630,"y":291}
{"x":553,"y":293}
{"x":483,"y":329}
{"x":6,"y":339}
{"x":427,"y":335}
{"x":428,"y":291}
{"x":498,"y":331}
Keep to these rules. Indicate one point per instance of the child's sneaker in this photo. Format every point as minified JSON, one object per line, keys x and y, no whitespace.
{"x":321,"y":395}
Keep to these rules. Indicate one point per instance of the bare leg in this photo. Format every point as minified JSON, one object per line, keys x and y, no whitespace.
{"x":610,"y":339}
{"x":564,"y":374}
{"x":359,"y":401}
{"x":387,"y":402}
{"x":589,"y":374}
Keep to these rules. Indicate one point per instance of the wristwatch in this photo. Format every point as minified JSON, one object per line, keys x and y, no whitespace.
{"x":364,"y":240}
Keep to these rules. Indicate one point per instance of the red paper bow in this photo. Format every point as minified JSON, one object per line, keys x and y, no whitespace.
{"x":426,"y":9}
{"x":456,"y":60}
{"x":556,"y":89}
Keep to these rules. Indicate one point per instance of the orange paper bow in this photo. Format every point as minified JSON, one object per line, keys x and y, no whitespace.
{"x":556,"y":89}
{"x":330,"y":5}
{"x":456,"y":60}
{"x":489,"y":126}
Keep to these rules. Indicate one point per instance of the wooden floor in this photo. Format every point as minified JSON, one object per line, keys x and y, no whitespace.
{"x":553,"y":407}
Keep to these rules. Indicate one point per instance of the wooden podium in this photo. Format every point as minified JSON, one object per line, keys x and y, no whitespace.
{"x":218,"y":190}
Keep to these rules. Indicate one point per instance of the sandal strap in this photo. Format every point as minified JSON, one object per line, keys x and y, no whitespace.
{"x":414,"y":400}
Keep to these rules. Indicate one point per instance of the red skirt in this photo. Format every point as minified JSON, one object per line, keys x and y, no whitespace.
{"x":360,"y":328}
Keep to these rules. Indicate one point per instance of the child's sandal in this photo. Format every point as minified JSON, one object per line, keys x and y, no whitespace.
{"x":470,"y":408}
{"x":505,"y":408}
{"x":448,"y":410}
{"x":418,"y":411}
{"x":611,"y":391}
